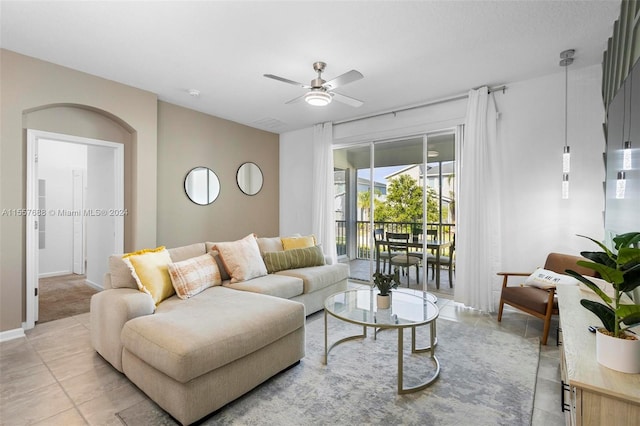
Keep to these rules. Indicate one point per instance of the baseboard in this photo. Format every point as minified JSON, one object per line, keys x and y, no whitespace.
{"x":16,"y":333}
{"x":54,"y":274}
{"x":94,"y":285}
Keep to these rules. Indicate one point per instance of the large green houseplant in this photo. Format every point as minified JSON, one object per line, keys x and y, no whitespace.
{"x":621,"y":269}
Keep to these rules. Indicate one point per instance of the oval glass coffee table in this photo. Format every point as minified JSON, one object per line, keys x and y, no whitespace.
{"x":409,"y":309}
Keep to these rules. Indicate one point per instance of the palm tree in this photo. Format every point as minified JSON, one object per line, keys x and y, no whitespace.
{"x":364,"y":202}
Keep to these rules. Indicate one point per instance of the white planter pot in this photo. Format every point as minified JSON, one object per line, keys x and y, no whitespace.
{"x":618,"y":354}
{"x":383,"y":302}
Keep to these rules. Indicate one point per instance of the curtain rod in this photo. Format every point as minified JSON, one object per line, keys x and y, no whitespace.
{"x":501,"y":88}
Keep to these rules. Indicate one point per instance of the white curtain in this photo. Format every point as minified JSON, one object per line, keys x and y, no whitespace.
{"x":322,"y":212}
{"x":478,"y":209}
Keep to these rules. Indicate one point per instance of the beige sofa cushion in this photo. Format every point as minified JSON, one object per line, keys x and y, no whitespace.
{"x":120,"y":274}
{"x":187,"y":338}
{"x":269,"y":244}
{"x":318,"y":277}
{"x":272,"y":285}
{"x":186,"y":252}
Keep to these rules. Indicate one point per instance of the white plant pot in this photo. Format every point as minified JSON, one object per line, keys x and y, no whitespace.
{"x":383,"y":302}
{"x":618,"y":354}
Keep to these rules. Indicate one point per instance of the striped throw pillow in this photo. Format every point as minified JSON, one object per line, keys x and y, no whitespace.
{"x":192,"y":276}
{"x":293,"y":258}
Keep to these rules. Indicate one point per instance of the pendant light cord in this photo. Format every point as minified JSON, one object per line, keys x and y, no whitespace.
{"x":624,"y":111}
{"x":630,"y":105}
{"x":566,"y":96}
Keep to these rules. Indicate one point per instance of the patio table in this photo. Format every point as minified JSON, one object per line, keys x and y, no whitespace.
{"x":435,"y":245}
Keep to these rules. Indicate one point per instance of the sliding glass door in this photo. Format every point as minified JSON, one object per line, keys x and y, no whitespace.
{"x":393,"y":186}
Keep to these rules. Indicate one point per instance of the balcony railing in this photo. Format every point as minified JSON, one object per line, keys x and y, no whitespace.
{"x":364,"y":232}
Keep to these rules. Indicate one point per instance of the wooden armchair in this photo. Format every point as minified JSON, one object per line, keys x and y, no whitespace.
{"x":540,"y":303}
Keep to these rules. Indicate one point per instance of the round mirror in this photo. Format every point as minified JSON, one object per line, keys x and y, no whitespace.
{"x":202,"y":185}
{"x":249,"y":178}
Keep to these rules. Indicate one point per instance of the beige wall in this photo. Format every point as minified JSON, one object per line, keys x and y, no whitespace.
{"x":162,"y":143}
{"x":28,"y":85}
{"x":188,"y":139}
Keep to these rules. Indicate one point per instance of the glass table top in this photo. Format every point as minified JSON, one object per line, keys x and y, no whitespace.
{"x":408,"y":308}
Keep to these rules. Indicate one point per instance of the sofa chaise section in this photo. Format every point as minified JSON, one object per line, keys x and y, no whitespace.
{"x":194,"y":356}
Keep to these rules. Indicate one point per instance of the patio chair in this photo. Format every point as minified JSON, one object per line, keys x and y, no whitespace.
{"x":539,"y":302}
{"x":398,"y":245}
{"x":385,"y":254}
{"x":432,"y":235}
{"x":447,"y":261}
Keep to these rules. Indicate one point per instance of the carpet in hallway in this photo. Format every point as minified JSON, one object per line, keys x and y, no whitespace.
{"x":63,"y":296}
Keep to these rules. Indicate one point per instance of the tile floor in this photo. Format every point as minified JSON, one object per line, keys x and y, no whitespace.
{"x":53,"y":376}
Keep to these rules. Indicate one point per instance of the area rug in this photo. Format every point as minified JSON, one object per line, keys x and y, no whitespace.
{"x":487,"y":377}
{"x":63,"y":296}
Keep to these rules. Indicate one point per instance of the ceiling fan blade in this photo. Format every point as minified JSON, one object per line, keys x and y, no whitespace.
{"x":286,"y":80}
{"x":294,"y":100}
{"x":347,"y":100}
{"x":343,"y":79}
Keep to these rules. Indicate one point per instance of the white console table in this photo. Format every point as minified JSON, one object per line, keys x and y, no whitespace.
{"x":592,"y":394}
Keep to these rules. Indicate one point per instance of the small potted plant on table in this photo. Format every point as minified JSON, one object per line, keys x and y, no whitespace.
{"x":385,"y":283}
{"x":616,"y":346}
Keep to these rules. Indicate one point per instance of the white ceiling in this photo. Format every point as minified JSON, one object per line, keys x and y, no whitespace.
{"x":409,"y":52}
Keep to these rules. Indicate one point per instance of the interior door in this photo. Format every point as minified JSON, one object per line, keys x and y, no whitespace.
{"x":78,"y":222}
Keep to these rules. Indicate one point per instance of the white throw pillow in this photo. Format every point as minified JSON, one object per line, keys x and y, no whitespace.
{"x":543,"y":278}
{"x":242,"y":258}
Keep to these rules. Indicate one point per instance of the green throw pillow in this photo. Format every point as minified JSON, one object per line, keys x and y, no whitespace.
{"x":294,"y":258}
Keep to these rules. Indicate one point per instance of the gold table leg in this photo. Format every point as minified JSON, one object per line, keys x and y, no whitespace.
{"x":327,"y":348}
{"x":431,"y":347}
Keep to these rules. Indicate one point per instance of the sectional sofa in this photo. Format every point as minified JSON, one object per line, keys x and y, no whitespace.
{"x":194,"y":354}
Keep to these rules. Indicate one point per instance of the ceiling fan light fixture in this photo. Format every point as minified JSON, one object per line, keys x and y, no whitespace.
{"x":317,"y":98}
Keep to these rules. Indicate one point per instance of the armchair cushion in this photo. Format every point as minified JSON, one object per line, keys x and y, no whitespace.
{"x":532,"y":298}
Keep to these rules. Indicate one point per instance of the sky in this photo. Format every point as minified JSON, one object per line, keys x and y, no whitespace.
{"x":379,"y":173}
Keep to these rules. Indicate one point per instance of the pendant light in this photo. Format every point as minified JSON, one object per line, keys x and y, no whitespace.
{"x":621,"y":184}
{"x":566,"y":59}
{"x":621,"y":177}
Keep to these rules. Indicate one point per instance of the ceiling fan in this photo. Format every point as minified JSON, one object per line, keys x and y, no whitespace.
{"x":321,"y":92}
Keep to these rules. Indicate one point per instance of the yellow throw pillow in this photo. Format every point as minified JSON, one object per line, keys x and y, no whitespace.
{"x":194,"y":275}
{"x":289,"y":243}
{"x":150,"y":269}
